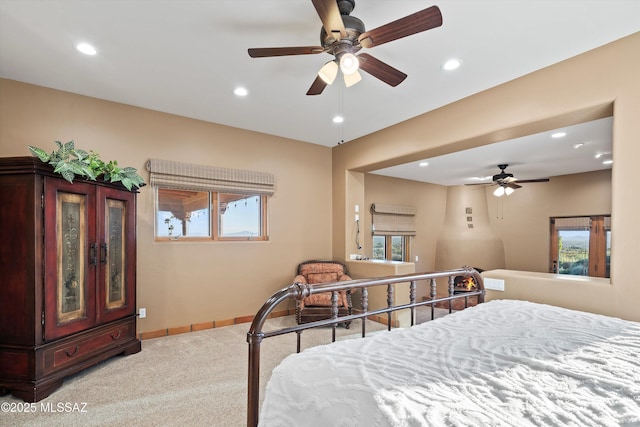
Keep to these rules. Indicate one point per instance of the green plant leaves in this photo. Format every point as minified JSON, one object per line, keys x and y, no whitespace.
{"x":70,"y":162}
{"x":39,"y":153}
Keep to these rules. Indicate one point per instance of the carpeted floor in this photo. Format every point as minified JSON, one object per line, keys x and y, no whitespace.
{"x":195,"y":379}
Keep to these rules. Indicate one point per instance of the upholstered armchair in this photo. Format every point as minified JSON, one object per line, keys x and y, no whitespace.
{"x":318,"y":306}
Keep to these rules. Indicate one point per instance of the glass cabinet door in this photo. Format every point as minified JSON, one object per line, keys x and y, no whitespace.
{"x":71,"y":212}
{"x":69,"y":258}
{"x":114,"y":253}
{"x":116,"y":276}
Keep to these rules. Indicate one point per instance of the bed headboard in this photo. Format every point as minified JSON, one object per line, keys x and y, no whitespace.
{"x":302,"y":290}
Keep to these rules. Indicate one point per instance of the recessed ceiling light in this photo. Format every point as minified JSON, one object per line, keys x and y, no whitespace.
{"x":578,"y":145}
{"x":451,"y":64}
{"x":607,"y":162}
{"x":240,"y":91}
{"x":86,"y":48}
{"x":558,"y":135}
{"x":423,"y":164}
{"x":338,"y":119}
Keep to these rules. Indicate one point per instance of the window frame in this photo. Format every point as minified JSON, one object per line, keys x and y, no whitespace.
{"x":388,"y":246}
{"x":214,"y":218}
{"x":215,"y":226}
{"x":597,"y":256}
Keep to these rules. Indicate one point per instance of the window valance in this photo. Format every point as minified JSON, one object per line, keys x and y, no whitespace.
{"x":573,"y":223}
{"x":187,"y":176}
{"x":393,"y":220}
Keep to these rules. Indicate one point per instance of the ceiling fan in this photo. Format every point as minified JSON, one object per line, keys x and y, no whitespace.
{"x":506,"y":183}
{"x":343,"y":35}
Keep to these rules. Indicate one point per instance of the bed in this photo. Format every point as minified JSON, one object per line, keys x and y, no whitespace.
{"x":500,"y":363}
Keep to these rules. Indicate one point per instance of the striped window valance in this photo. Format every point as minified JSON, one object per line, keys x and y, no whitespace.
{"x":574,"y":223}
{"x":187,"y":176}
{"x":393,"y":220}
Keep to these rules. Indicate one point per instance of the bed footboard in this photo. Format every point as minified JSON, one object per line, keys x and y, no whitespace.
{"x":298,"y":291}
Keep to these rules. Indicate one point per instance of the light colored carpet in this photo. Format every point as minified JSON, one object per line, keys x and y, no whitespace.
{"x":197,"y":378}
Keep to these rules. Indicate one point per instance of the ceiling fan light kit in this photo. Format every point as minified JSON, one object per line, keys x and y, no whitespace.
{"x":343,"y":35}
{"x":503,"y":190}
{"x":506,"y":182}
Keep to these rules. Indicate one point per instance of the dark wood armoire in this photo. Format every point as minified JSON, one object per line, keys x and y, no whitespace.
{"x":67,"y":276}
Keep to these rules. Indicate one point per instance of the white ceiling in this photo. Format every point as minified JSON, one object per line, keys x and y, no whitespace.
{"x":186,"y":57}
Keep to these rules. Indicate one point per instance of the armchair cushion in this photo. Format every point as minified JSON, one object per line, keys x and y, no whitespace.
{"x":322,"y":277}
{"x":317,"y":272}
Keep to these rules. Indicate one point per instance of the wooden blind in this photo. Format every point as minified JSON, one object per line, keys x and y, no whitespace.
{"x":187,"y":176}
{"x":393,"y":220}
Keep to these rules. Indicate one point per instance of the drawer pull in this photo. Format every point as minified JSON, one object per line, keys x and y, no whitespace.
{"x":75,"y":351}
{"x":117,"y":335}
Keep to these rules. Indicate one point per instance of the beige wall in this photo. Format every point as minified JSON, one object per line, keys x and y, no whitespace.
{"x":522,"y":219}
{"x":429,"y":201}
{"x":586,"y":87}
{"x":182,"y":283}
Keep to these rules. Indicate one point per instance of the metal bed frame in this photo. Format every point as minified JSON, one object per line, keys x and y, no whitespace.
{"x":302,"y":290}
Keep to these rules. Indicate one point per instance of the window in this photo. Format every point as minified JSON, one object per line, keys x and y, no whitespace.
{"x":393,"y":227}
{"x":241,"y":216}
{"x":391,"y":248}
{"x":183,"y":213}
{"x":200,"y":202}
{"x":581,"y":245}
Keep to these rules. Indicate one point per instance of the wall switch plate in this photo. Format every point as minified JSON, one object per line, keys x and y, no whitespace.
{"x":142,"y":313}
{"x":416,"y":258}
{"x":493,"y":284}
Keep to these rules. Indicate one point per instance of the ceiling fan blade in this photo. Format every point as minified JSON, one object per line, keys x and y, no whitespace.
{"x":524,"y":181}
{"x":329,"y":14}
{"x":512,"y":185}
{"x":317,"y":86}
{"x":380,"y":70}
{"x":415,"y":23}
{"x":263,"y":52}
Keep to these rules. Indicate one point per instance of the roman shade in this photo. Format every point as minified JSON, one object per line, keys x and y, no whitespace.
{"x":187,"y":176}
{"x":573,"y":223}
{"x":393,"y":220}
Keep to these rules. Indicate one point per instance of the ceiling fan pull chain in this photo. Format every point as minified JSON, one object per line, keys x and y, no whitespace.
{"x":340,"y":111}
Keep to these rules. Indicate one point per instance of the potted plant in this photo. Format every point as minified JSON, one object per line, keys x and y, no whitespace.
{"x":69,"y":161}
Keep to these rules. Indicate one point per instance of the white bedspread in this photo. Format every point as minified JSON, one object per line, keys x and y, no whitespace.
{"x":502,"y":363}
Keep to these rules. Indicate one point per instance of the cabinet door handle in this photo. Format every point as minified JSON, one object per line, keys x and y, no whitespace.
{"x":117,"y":335}
{"x":93,"y":248}
{"x":103,"y":252}
{"x":73,"y":353}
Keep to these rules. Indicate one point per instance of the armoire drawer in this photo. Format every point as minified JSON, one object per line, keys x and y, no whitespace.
{"x":86,"y":345}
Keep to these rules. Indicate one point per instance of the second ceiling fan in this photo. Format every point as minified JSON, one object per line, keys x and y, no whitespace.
{"x":506,"y":182}
{"x":343,"y":35}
